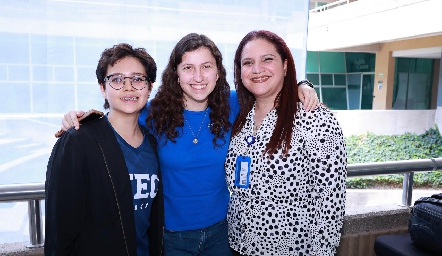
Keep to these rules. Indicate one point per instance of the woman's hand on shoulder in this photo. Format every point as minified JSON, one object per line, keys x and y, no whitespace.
{"x":307,"y":95}
{"x":71,"y":119}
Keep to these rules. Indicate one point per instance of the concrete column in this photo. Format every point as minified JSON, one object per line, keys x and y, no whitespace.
{"x":383,"y":80}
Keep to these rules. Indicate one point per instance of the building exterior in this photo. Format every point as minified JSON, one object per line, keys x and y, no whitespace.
{"x":389,"y":52}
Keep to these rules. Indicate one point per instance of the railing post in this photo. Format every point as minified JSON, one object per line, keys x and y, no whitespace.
{"x":35,"y":224}
{"x":407,"y":188}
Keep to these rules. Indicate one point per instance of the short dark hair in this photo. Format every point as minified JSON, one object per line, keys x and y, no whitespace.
{"x":110,"y":56}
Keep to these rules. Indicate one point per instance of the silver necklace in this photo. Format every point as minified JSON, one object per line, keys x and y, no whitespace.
{"x":195,"y":138}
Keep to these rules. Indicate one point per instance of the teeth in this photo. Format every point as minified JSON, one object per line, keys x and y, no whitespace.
{"x":131,"y":99}
{"x":199,"y":87}
{"x":260,"y":79}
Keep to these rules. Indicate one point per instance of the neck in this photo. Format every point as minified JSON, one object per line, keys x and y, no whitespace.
{"x":264,"y":105}
{"x":124,"y":124}
{"x":193,"y":105}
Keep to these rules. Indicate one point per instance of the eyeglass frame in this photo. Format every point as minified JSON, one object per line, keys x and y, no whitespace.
{"x":124,"y":81}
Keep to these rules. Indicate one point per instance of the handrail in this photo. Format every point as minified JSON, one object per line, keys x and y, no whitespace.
{"x":22,"y":192}
{"x":394,"y":167}
{"x":35,"y":192}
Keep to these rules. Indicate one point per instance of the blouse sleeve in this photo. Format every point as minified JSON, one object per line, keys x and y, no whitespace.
{"x":328,"y":172}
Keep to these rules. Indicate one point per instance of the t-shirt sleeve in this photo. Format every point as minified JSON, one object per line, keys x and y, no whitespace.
{"x":234,"y":105}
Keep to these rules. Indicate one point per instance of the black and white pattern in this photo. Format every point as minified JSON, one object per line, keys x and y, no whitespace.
{"x":295,"y":204}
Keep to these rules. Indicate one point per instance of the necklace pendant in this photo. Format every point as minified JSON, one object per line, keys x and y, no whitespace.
{"x":195,"y":141}
{"x":250,"y":140}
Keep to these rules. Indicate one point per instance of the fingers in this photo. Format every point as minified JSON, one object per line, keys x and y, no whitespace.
{"x":311,"y":101}
{"x":75,"y":116}
{"x":71,"y":119}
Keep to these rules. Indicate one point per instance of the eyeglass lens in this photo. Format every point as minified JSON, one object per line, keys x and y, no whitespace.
{"x":118,"y":81}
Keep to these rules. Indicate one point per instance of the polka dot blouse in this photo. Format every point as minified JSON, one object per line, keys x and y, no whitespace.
{"x":294,"y":204}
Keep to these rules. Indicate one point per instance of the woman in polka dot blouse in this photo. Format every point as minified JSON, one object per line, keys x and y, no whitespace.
{"x":286,"y":168}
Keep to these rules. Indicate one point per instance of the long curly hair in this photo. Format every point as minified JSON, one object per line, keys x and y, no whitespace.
{"x":286,"y":100}
{"x":166,"y":109}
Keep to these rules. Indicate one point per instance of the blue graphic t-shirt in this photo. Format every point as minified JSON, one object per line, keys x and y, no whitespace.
{"x":143,"y":173}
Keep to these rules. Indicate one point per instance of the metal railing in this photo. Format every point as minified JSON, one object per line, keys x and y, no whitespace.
{"x":35,"y":192}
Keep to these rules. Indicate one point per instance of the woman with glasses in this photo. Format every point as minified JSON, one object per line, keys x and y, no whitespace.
{"x":191,"y":117}
{"x":103,"y":190}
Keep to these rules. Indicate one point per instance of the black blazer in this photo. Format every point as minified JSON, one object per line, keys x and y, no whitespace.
{"x":89,"y":201}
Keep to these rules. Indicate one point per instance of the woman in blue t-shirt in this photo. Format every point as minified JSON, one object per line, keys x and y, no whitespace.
{"x":191,"y":116}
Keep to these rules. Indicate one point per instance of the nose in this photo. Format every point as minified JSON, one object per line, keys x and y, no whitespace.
{"x":130,"y":87}
{"x":198,"y":76}
{"x":256,"y":68}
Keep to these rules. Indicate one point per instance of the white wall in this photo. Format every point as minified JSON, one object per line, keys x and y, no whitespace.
{"x":385,"y":122}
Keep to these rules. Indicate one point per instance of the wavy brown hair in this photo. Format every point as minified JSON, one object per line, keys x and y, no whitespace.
{"x":286,"y":99}
{"x":112,"y":55}
{"x":166,"y":109}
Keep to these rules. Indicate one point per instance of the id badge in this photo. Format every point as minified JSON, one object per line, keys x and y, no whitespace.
{"x":242,"y":172}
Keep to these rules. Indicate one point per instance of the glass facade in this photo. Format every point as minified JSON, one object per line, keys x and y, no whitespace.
{"x":413,"y":82}
{"x":50,"y":49}
{"x":342,"y":80}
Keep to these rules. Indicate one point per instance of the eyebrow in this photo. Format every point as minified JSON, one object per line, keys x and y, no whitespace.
{"x":132,"y":73}
{"x":197,"y":64}
{"x":268,"y":54}
{"x":262,"y":56}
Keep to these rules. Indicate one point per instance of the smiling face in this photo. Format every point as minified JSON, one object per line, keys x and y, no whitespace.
{"x":262,"y":69}
{"x":127,"y":100}
{"x":197,"y":76}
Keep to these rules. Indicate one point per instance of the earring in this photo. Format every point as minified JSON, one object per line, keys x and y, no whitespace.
{"x":178,"y":80}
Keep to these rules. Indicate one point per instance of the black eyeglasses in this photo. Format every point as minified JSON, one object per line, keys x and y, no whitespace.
{"x":118,"y":81}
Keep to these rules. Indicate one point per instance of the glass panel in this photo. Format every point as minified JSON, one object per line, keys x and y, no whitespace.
{"x":402,"y":64}
{"x":53,"y":98}
{"x":367,"y":92}
{"x":19,"y":73}
{"x":64,"y":74}
{"x":88,"y":50}
{"x":340,"y":80}
{"x":401,"y":91}
{"x":360,"y":62}
{"x":313,"y":78}
{"x":42,"y":73}
{"x":89,"y":96}
{"x":419,"y":91}
{"x":15,"y":103}
{"x":332,"y":62}
{"x":86,"y":74}
{"x":424,"y":66}
{"x":335,"y":98}
{"x":354,"y":91}
{"x":3,"y":72}
{"x":326,"y":79}
{"x":312,"y":62}
{"x":14,"y":48}
{"x":54,"y":50}
{"x":412,"y":89}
